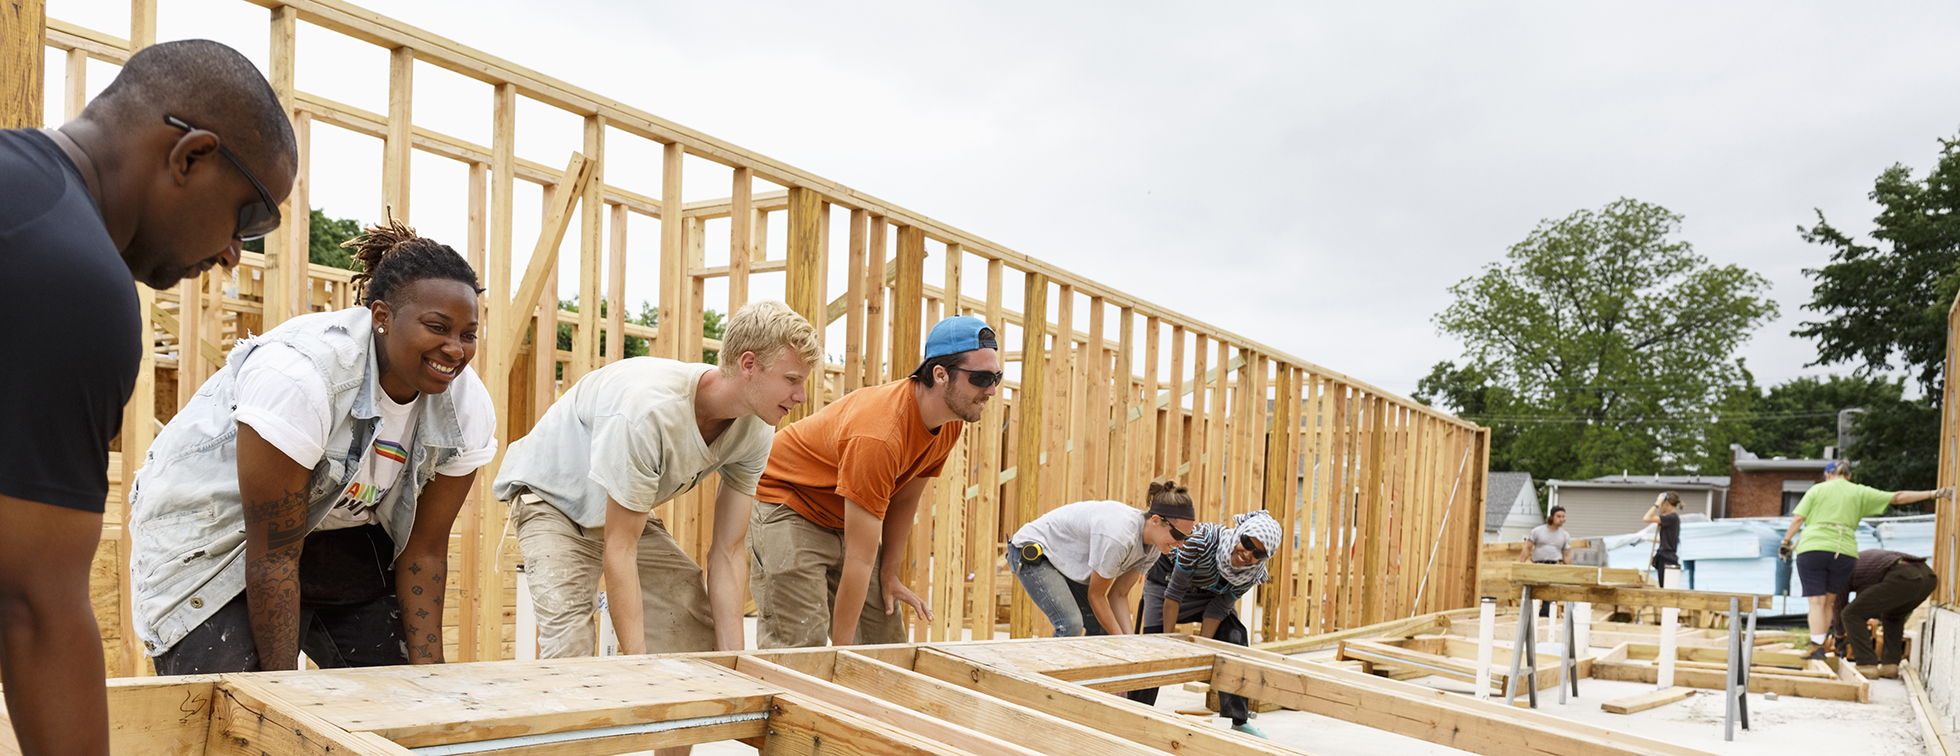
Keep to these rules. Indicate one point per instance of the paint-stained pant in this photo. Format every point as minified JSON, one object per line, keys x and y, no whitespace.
{"x":563,"y":562}
{"x":1065,"y":601}
{"x":348,"y":614}
{"x":794,"y":566}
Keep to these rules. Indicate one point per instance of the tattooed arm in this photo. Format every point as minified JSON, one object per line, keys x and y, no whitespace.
{"x":273,"y":487}
{"x":422,"y":571}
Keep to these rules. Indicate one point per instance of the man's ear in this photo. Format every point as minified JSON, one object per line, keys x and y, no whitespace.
{"x":190,"y":149}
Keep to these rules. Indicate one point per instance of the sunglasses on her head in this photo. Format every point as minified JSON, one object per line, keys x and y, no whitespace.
{"x":1252,"y":544}
{"x":254,"y":221}
{"x":981,"y":378}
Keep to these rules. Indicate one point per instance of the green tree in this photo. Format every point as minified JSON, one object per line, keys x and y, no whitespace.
{"x":1886,"y":303}
{"x":713,"y":326}
{"x":1611,"y":340}
{"x":1799,"y":417}
{"x":324,"y":237}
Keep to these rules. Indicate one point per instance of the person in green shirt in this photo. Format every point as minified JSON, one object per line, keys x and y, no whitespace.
{"x":1829,"y":516}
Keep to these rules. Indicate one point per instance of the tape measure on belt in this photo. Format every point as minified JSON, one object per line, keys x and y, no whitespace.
{"x":1030,"y":551}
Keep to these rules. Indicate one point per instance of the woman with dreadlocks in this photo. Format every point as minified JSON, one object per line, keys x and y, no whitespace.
{"x":302,"y":500}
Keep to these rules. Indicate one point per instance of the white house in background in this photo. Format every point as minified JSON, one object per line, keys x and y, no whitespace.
{"x":1613,"y":504}
{"x":1510,"y":507}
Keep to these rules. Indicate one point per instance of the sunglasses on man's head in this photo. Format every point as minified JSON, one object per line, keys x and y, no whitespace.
{"x":1252,"y":544}
{"x":254,"y":221}
{"x":981,"y":378}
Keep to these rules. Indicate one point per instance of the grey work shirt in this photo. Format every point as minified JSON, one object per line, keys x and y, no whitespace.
{"x":627,"y":430}
{"x":1548,"y":544}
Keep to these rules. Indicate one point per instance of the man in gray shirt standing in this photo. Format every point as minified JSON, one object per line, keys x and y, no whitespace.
{"x":1548,"y":544}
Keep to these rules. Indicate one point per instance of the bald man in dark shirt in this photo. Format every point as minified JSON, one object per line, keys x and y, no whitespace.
{"x":179,"y":160}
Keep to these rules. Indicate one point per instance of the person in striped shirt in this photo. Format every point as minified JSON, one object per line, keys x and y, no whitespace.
{"x":1202,"y":581}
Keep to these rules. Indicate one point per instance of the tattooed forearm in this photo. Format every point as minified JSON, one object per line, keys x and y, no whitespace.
{"x":275,"y":531}
{"x":419,"y":586}
{"x":283,"y":519}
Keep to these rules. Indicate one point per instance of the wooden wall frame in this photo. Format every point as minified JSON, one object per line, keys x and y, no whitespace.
{"x":1387,"y":520}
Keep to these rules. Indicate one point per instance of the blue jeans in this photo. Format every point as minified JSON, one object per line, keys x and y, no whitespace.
{"x":1065,"y":601}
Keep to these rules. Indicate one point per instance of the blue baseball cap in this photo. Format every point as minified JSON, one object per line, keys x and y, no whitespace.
{"x":1837,"y":467}
{"x":963,"y":333}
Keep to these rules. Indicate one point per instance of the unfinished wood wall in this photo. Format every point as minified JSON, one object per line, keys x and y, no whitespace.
{"x":1946,"y":534}
{"x":1107,"y":393}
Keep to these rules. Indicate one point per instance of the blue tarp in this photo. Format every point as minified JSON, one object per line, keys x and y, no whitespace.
{"x":1739,"y":555}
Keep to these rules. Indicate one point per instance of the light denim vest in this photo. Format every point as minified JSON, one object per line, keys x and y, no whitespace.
{"x":187,"y":519}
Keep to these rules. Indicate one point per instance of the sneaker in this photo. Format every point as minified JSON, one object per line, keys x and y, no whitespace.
{"x":1888,"y":671}
{"x":1248,"y":729}
{"x":1816,"y":652}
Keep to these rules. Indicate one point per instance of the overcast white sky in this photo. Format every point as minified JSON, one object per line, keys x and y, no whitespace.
{"x":1310,"y":176}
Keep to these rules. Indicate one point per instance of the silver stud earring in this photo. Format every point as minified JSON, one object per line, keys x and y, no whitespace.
{"x":380,"y":330}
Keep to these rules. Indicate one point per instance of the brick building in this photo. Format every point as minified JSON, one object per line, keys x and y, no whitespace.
{"x":1769,"y":487}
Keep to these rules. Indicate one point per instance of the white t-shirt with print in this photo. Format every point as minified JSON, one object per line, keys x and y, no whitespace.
{"x":1105,"y":537}
{"x":284,"y":398}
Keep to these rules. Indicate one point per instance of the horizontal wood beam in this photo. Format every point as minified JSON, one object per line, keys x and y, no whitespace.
{"x":800,"y":726}
{"x":1707,"y":601}
{"x":722,"y":208}
{"x":1114,"y":715}
{"x":375,"y":125}
{"x":103,"y":47}
{"x":1439,"y":717}
{"x":973,"y":710}
{"x":884,"y":712}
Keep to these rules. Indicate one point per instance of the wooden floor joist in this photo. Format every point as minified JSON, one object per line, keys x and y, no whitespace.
{"x":941,"y":699}
{"x":1843,"y":684}
{"x":1443,"y":718}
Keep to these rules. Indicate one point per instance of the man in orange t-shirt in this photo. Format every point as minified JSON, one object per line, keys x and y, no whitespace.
{"x":843,"y":484}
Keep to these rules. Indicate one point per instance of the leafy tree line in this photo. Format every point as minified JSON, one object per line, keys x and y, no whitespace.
{"x":1603,"y":342}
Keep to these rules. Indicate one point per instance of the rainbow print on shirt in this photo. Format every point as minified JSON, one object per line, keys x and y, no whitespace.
{"x":361,"y":496}
{"x":391,"y":450}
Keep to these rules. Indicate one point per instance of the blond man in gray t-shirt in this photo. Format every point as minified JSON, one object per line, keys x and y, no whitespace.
{"x":625,"y":439}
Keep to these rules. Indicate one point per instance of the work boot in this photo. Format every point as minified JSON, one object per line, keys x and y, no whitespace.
{"x":1888,"y":671}
{"x":1247,"y":728}
{"x":1868,"y":670}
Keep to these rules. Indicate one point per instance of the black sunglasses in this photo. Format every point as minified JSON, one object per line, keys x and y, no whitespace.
{"x":254,"y":221}
{"x":981,"y":378}
{"x":1175,"y":533}
{"x":1252,"y":544}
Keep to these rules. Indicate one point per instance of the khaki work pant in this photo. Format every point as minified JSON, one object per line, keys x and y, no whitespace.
{"x":563,"y":561}
{"x":793,"y":572}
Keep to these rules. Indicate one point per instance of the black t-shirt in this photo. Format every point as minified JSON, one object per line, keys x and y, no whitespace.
{"x":1670,"y":537}
{"x":71,"y":330}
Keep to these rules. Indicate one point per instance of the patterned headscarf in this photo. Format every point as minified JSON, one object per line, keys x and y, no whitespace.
{"x":1259,"y":525}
